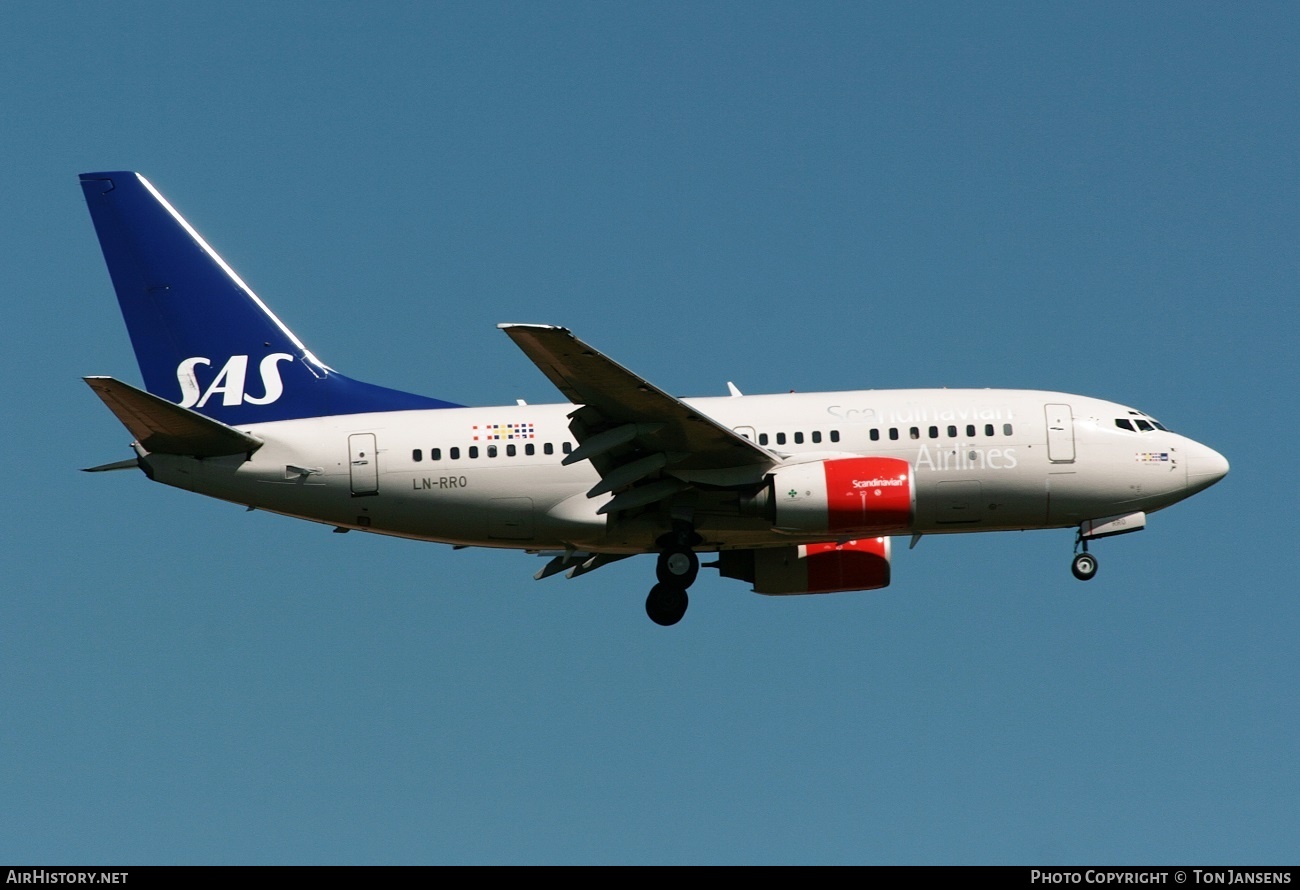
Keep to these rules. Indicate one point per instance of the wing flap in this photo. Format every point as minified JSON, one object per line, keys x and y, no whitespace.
{"x":165,"y":428}
{"x":575,"y":563}
{"x":646,"y":445}
{"x":132,"y":463}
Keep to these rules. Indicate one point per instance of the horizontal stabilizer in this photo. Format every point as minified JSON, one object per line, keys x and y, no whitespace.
{"x":164,"y":428}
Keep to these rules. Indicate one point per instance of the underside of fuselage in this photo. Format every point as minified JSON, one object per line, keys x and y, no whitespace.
{"x":519,"y":500}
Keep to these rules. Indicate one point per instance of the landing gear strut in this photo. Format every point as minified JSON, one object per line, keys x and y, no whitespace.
{"x":1084,"y":565}
{"x":676,"y":570}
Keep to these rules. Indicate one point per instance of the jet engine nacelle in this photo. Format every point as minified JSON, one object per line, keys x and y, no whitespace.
{"x":811,"y":568}
{"x":863,"y":495}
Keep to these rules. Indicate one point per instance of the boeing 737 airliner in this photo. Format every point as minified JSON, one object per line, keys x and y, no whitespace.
{"x":792,"y":493}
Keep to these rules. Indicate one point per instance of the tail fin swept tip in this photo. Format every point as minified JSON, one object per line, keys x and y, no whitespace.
{"x":204,"y":340}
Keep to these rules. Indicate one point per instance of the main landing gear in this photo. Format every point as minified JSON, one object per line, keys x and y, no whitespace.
{"x":1084,"y":565}
{"x":676,"y":570}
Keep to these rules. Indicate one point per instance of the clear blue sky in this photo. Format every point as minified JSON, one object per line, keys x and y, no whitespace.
{"x":1097,"y":198}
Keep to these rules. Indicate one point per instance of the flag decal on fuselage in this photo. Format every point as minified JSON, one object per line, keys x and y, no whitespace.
{"x":490,"y":432}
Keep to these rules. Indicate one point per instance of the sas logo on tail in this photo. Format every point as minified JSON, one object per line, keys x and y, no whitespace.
{"x":230,"y":381}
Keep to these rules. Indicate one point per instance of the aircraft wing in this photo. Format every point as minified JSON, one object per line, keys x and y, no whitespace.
{"x":165,"y":428}
{"x":639,"y":438}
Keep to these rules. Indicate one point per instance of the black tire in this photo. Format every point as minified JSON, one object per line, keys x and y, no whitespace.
{"x":666,"y":604}
{"x":1084,"y":566}
{"x":677,"y":567}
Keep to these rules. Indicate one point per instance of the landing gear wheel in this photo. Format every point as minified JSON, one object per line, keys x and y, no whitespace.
{"x":677,"y":567}
{"x":666,"y":604}
{"x":1084,"y":566}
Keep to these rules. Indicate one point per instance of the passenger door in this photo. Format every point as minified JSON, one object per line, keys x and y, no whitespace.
{"x":1060,"y":434}
{"x":363,"y":464}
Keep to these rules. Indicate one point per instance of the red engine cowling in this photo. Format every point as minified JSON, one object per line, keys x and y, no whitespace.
{"x":866,"y":495}
{"x":812,"y":568}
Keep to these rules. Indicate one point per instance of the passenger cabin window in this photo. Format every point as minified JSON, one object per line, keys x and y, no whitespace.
{"x":798,"y":438}
{"x":952,"y":432}
{"x":473,"y":451}
{"x":435,"y":454}
{"x":835,"y":435}
{"x":970,"y":430}
{"x":875,"y":435}
{"x":780,"y":438}
{"x":510,"y":451}
{"x":988,"y":429}
{"x":417,"y":455}
{"x":455,"y":454}
{"x":816,"y":436}
{"x":548,"y":448}
{"x":914,"y":432}
{"x":893,"y":433}
{"x":762,"y":438}
{"x":529,"y":449}
{"x":567,"y":447}
{"x":934,"y":432}
{"x":1006,"y":429}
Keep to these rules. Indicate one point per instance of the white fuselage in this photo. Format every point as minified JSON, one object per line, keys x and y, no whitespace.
{"x":982,"y":460}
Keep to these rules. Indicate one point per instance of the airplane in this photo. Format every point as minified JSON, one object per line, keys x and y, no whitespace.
{"x":793,"y":493}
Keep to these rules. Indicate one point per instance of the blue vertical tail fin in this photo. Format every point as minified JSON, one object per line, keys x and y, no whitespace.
{"x":203,"y":339}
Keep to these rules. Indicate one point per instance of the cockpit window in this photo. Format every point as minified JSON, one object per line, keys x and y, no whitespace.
{"x":1139,"y":424}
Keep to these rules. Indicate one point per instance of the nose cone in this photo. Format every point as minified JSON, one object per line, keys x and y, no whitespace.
{"x":1205,"y":466}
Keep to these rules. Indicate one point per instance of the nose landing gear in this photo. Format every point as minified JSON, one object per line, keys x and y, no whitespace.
{"x":1084,"y":565}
